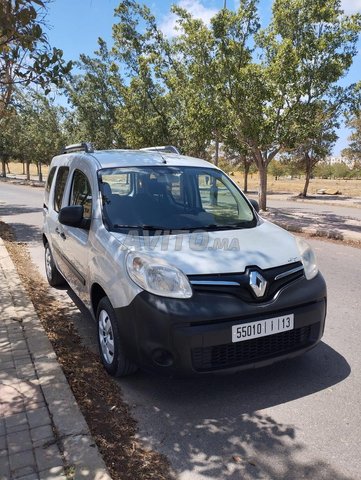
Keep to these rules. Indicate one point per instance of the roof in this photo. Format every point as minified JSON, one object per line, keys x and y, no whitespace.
{"x":131,"y":158}
{"x":135,"y":158}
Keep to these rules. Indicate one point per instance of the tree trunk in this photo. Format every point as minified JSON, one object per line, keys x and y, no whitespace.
{"x":216,"y":156}
{"x":3,"y":167}
{"x":23,"y":168}
{"x":262,"y":160}
{"x":262,"y":190}
{"x":27,"y":170}
{"x":308,"y":172}
{"x":246,"y":172}
{"x":40,"y":172}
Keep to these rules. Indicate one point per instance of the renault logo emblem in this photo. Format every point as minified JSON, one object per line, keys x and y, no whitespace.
{"x":257,"y":283}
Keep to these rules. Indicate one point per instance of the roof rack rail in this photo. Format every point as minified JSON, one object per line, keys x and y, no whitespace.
{"x":78,"y":147}
{"x":163,"y":149}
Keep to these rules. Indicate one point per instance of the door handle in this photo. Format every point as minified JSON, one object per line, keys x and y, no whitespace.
{"x":61,"y":234}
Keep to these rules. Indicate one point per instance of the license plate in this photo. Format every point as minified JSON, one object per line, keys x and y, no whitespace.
{"x":262,"y":328}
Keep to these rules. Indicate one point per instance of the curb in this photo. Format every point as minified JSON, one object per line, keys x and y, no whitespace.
{"x":20,"y":181}
{"x":342,"y":236}
{"x":326,"y":201}
{"x":331,"y":200}
{"x":79,"y":452}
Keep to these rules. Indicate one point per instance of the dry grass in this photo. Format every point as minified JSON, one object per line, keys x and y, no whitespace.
{"x":346,"y":187}
{"x":17,"y":169}
{"x":350,"y":188}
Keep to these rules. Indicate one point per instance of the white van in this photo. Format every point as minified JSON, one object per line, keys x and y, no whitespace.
{"x":176,"y":265}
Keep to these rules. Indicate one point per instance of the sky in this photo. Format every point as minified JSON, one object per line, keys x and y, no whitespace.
{"x":75,"y":25}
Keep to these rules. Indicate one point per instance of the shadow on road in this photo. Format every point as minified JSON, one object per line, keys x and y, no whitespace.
{"x":6,"y":210}
{"x":25,"y":228}
{"x":210,"y":427}
{"x":217,"y":427}
{"x":323,"y":221}
{"x":28,"y":234}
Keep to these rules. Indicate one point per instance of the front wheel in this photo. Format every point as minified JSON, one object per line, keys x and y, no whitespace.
{"x":53,"y":275}
{"x":109,"y":341}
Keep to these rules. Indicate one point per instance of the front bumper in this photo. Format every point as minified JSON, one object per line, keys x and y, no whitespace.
{"x":193,"y":336}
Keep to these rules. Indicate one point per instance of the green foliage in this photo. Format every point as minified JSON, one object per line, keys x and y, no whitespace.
{"x":308,"y":47}
{"x":36,"y":134}
{"x":141,"y":119}
{"x":145,"y":114}
{"x":25,"y":55}
{"x":323,"y":170}
{"x":96,"y":96}
{"x":336,"y":170}
{"x":341,"y":170}
{"x":353,"y":151}
{"x":257,"y":93}
{"x":356,"y":170}
{"x":277,"y":168}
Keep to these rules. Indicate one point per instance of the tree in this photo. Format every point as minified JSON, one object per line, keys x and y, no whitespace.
{"x":139,"y":46}
{"x":318,"y":136}
{"x":356,"y":169}
{"x":175,"y":81}
{"x":308,"y":48}
{"x":240,"y":159}
{"x":195,"y":83}
{"x":229,"y":82}
{"x":25,"y":54}
{"x":323,"y":170}
{"x":95,"y":96}
{"x":353,"y":151}
{"x":26,"y":57}
{"x":7,"y":138}
{"x":36,"y":130}
{"x":140,"y":118}
{"x":341,"y":170}
{"x":277,"y":168}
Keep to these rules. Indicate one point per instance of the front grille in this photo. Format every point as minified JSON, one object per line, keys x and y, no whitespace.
{"x":250,"y":351}
{"x":241,"y":287}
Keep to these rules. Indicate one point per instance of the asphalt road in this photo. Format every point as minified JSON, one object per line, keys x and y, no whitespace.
{"x":299,"y":206}
{"x":300,"y":419}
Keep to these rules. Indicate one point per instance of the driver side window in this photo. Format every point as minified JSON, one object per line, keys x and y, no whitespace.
{"x":81,"y":193}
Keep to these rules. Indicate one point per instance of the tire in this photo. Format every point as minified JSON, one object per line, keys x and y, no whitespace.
{"x":109,"y":342}
{"x":53,"y":275}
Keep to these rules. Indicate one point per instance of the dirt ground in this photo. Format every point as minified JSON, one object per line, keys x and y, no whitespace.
{"x":107,"y":415}
{"x":282,"y":185}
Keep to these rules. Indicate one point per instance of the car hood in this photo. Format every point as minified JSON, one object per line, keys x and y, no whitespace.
{"x":231,"y":251}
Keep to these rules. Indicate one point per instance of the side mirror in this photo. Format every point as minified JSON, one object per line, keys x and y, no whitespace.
{"x":72,"y":216}
{"x":254,"y":204}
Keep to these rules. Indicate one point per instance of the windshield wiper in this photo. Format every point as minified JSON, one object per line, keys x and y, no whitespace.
{"x":152,"y":228}
{"x":212,"y":226}
{"x":229,"y":226}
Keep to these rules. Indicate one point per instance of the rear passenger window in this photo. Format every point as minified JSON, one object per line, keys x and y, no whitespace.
{"x":48,"y":184}
{"x":61,"y":178}
{"x":81,"y":193}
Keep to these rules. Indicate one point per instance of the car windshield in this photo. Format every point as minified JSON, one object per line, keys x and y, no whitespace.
{"x":172,"y":198}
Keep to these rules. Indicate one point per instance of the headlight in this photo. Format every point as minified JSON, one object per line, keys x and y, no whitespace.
{"x":156,"y":276}
{"x":308,"y":258}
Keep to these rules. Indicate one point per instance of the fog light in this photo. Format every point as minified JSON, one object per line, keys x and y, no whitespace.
{"x":162,"y":357}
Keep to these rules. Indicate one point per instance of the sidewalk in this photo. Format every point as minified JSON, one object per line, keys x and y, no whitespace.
{"x":21,"y":180}
{"x":326,"y":225}
{"x":318,"y":199}
{"x":43,"y":435}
